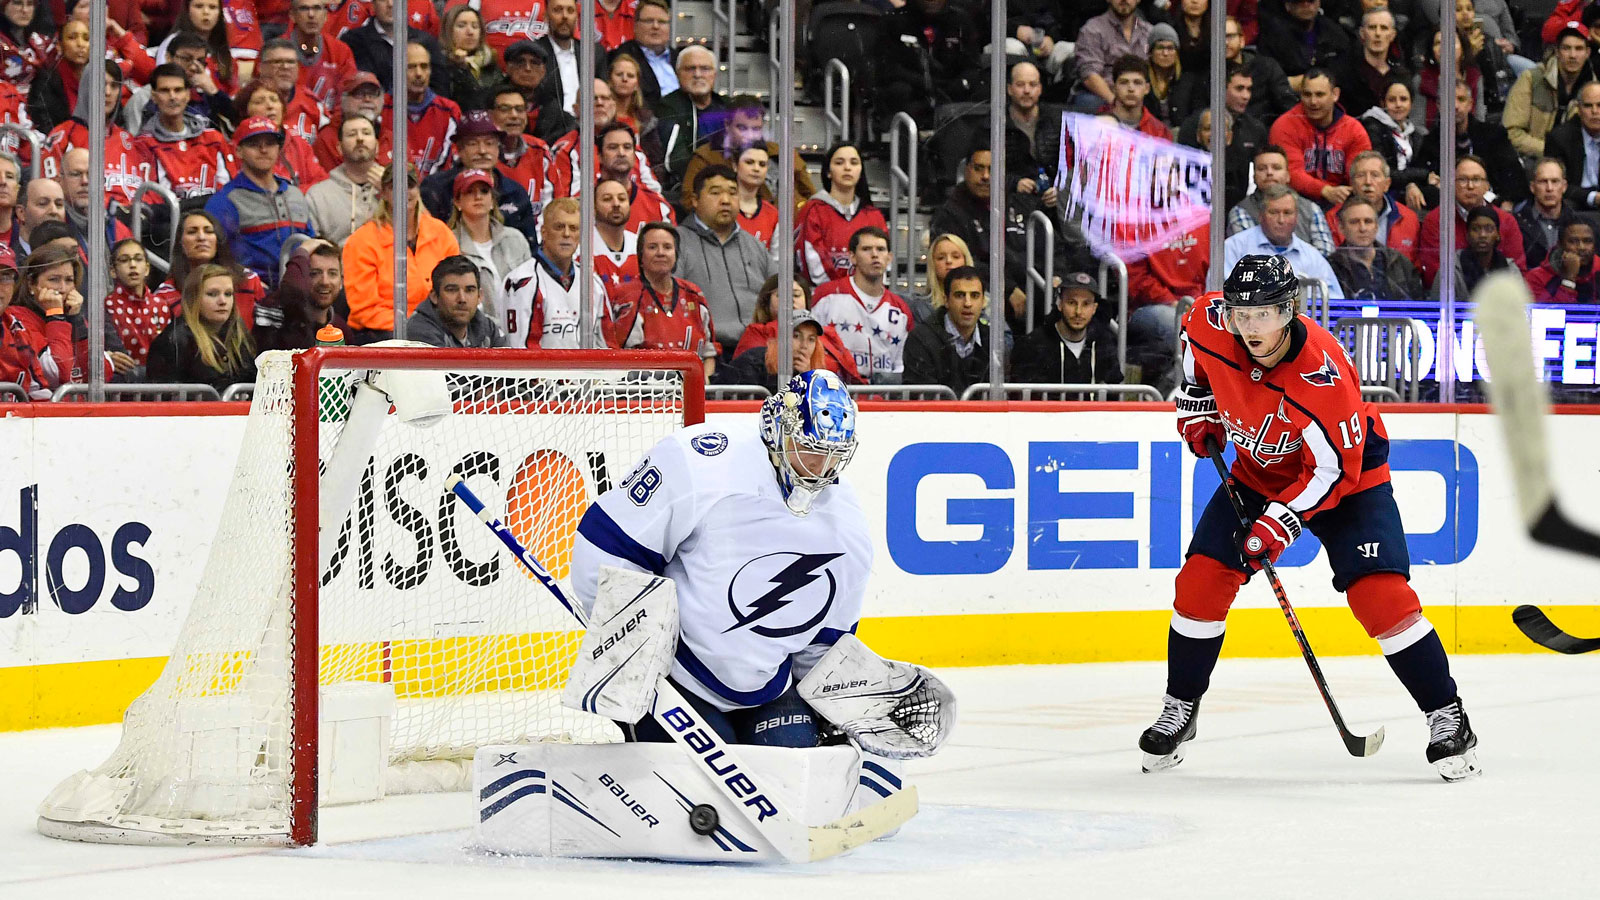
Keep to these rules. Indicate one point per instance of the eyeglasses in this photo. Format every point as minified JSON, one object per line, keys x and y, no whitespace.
{"x":1473,"y":179}
{"x":129,"y":259}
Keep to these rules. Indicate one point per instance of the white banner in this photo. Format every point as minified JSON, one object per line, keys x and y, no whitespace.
{"x":1130,"y":193}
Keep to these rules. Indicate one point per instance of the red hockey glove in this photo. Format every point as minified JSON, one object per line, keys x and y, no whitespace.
{"x":1198,"y":420}
{"x":1271,"y":534}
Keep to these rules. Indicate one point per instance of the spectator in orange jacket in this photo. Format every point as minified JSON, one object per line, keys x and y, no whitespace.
{"x":1398,"y":227}
{"x":1321,"y":140}
{"x":369,"y":261}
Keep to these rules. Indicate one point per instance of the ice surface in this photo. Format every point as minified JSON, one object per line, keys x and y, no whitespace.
{"x":1039,"y":794}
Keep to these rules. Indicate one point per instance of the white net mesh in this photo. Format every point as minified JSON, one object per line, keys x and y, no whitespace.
{"x":416,"y":594}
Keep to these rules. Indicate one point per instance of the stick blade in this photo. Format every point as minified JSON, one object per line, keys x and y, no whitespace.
{"x":1519,"y":398}
{"x":1532,"y":621}
{"x":864,"y":825}
{"x":1364,"y":746}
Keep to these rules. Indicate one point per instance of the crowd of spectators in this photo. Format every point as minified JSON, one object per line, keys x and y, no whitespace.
{"x":271,"y":124}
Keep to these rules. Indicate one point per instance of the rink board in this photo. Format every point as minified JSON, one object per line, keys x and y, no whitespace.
{"x":1031,"y":534}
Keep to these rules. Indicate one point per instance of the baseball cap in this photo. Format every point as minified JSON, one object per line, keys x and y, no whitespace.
{"x":470,"y":177}
{"x":804,"y":317}
{"x":359,"y":78}
{"x":1082,"y":281}
{"x":254,"y":127}
{"x":477,"y":122}
{"x":8,"y":259}
{"x":1577,"y":28}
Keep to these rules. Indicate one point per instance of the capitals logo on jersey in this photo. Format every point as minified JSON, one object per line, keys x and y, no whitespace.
{"x":782,"y":594}
{"x":1324,"y":376}
{"x":1265,"y":443}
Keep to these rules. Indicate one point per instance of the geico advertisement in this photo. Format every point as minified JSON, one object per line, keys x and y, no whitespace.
{"x":106,"y":523}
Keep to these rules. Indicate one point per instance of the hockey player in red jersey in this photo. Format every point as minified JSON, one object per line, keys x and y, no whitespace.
{"x":1310,"y":453}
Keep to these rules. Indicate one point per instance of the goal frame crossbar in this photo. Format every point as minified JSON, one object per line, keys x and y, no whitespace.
{"x":307,"y":367}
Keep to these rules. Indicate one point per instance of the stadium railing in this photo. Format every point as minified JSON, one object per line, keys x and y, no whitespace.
{"x":836,"y":77}
{"x":903,"y":202}
{"x":901,"y":392}
{"x":31,"y":137}
{"x":1031,"y":391}
{"x":10,"y":391}
{"x":736,"y":392}
{"x":1035,"y":278}
{"x":78,"y":393}
{"x":1108,"y":264}
{"x":174,"y":210}
{"x":1387,"y":351}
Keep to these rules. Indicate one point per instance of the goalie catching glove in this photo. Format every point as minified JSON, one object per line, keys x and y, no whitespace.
{"x":888,"y":708}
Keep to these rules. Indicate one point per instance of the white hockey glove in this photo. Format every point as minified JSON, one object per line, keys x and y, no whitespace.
{"x":888,"y":708}
{"x":633,"y":633}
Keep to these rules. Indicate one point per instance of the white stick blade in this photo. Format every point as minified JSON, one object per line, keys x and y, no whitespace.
{"x":864,"y":825}
{"x":1520,"y":400}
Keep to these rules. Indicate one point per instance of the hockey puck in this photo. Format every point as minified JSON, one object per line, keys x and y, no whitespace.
{"x":703,"y":819}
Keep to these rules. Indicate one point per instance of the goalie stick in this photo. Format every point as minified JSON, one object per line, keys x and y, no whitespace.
{"x":797,"y":841}
{"x":1521,"y":403}
{"x":1355,"y":743}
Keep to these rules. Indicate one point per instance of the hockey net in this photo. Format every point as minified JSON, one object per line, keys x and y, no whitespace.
{"x":414,"y":598}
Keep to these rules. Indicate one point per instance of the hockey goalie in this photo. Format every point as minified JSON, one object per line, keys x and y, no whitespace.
{"x":727,"y":570}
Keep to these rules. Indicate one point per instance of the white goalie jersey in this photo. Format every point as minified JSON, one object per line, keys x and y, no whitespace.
{"x":762,"y":593}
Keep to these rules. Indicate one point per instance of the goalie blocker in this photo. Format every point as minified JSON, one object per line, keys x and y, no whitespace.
{"x":636,"y":799}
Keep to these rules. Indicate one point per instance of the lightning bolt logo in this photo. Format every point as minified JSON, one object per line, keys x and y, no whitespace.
{"x":797,"y":574}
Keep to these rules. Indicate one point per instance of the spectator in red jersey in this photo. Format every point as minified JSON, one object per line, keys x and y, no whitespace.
{"x":760,"y":365}
{"x":55,"y":92}
{"x":209,"y":342}
{"x":10,"y":195}
{"x":508,"y":22}
{"x":361,"y":96}
{"x":346,"y":15}
{"x":299,"y":161}
{"x":524,"y":159}
{"x":623,"y":77}
{"x":305,"y":301}
{"x":433,"y":119}
{"x":478,"y":143}
{"x":616,"y":157}
{"x":872,"y":319}
{"x":652,"y":35}
{"x":482,"y":235}
{"x":473,"y":67}
{"x":192,"y":159}
{"x":203,"y":19}
{"x":660,"y":311}
{"x":827,"y":222}
{"x":27,"y":44}
{"x":1156,"y":285}
{"x":372,"y":48}
{"x":14,"y":111}
{"x":726,"y":261}
{"x":616,"y":254}
{"x":565,"y":151}
{"x":325,"y":61}
{"x":200,"y":243}
{"x":763,"y":332}
{"x":1568,"y":276}
{"x":614,"y":19}
{"x":280,"y":68}
{"x":757,"y":213}
{"x":132,"y":308}
{"x":244,"y":34}
{"x":35,"y":326}
{"x":349,"y":196}
{"x":1320,"y":140}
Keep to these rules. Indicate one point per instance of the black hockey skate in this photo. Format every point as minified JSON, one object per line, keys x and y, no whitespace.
{"x":1450,"y":742}
{"x":1163,"y":742}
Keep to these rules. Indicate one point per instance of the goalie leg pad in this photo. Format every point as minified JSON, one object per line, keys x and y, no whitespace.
{"x":888,"y":708}
{"x":634,"y":800}
{"x":628,"y":649}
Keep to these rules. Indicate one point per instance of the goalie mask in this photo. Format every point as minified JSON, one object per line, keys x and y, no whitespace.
{"x":809,"y":427}
{"x":1262,"y":294}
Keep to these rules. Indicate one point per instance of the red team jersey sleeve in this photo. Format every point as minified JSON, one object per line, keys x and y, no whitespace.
{"x":1301,"y":432}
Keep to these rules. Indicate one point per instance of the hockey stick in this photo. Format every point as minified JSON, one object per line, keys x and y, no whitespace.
{"x":737,"y":782}
{"x":1521,"y":403}
{"x":1539,"y":629}
{"x":1355,"y":743}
